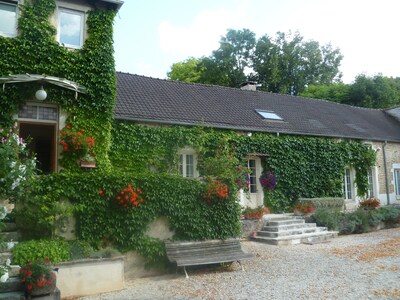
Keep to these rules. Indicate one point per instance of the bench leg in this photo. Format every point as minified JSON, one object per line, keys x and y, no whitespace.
{"x":186,"y":274}
{"x":240,"y":263}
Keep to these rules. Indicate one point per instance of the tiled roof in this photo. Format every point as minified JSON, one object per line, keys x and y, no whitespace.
{"x":146,"y":99}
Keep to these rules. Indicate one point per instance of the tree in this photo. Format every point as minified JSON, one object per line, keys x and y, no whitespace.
{"x":285,"y":64}
{"x":188,"y":70}
{"x":374,"y":92}
{"x":335,"y":92}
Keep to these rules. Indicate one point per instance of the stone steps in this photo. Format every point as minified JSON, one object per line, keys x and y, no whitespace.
{"x":12,"y":288}
{"x":290,"y":230}
{"x":12,"y":295}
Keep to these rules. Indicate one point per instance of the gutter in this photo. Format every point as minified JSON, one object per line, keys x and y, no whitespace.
{"x":386,"y":173}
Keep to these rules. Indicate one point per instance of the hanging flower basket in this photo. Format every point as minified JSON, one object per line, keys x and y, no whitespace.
{"x":268,"y":180}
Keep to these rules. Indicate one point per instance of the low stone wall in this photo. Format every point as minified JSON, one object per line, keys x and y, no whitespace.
{"x":249,"y":226}
{"x":90,"y":276}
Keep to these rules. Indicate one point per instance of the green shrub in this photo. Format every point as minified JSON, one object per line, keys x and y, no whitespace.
{"x":328,"y":202}
{"x":56,"y":250}
{"x":327,"y":217}
{"x":80,"y":249}
{"x":355,"y":222}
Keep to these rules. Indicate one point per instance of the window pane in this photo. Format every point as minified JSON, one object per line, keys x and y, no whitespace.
{"x":189,"y":166}
{"x":371,"y":192}
{"x":253,"y":176}
{"x":8,"y":20}
{"x":28,"y":112}
{"x":47,"y":113}
{"x":71,"y":28}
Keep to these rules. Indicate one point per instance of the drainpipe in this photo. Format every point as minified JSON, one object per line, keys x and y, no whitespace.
{"x":386,"y":173}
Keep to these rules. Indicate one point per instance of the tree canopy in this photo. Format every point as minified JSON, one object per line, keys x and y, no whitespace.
{"x":375,"y":92}
{"x":284,"y":64}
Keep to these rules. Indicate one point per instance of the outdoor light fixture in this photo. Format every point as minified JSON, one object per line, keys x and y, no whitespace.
{"x":41,"y":94}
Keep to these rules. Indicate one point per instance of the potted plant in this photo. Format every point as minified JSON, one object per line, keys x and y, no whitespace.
{"x":78,"y":146}
{"x":304,"y":208}
{"x":38,"y":277}
{"x":255,"y":213}
{"x":370,"y":204}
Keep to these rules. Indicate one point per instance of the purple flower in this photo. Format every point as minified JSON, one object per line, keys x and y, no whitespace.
{"x":268,"y":180}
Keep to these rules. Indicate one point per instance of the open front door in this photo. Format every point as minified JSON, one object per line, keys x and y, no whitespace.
{"x":41,"y":139}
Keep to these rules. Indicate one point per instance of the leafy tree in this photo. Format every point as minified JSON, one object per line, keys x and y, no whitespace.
{"x":375,"y":92}
{"x":188,"y":70}
{"x":335,"y":92}
{"x":285,"y":64}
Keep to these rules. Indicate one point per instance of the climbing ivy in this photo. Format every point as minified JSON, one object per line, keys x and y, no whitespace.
{"x":36,"y":51}
{"x":305,"y":167}
{"x":102,"y":221}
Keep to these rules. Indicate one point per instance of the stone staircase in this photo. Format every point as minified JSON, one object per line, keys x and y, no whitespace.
{"x":11,"y":289}
{"x":290,"y":230}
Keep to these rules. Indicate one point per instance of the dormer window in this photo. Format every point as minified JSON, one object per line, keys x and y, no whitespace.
{"x":8,"y":19}
{"x":269,"y":115}
{"x":71,"y":28}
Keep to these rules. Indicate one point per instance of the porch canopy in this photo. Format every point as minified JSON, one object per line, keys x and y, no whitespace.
{"x":62,"y":82}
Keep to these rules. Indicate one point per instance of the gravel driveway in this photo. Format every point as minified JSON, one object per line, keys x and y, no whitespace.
{"x":363,"y":266}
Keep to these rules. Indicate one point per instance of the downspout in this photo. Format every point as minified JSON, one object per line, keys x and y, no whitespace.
{"x":386,"y":173}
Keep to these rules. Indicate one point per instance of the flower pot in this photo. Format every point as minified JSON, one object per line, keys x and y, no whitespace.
{"x":44,"y":290}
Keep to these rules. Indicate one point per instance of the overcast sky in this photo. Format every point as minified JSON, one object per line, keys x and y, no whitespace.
{"x":150,"y":35}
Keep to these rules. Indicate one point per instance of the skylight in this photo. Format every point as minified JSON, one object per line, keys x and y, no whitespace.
{"x":269,"y":115}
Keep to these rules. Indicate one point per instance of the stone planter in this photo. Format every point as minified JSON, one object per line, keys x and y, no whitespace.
{"x":90,"y":276}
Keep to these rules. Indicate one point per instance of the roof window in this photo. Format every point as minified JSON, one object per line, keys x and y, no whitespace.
{"x":269,"y":115}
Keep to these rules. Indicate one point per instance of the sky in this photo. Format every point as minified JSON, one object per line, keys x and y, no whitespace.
{"x":151,"y":35}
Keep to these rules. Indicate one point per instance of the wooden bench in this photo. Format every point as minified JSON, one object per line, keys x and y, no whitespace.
{"x":195,"y":253}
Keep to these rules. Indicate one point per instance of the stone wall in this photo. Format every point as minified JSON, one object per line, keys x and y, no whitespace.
{"x":392,"y":151}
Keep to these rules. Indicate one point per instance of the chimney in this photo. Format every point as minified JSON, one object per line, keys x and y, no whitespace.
{"x":249,"y":86}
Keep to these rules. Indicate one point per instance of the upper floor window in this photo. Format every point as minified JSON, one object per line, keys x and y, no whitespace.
{"x":188,"y":163}
{"x":70,"y":28}
{"x":8,"y":19}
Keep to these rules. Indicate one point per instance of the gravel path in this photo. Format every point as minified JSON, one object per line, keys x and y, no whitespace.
{"x":363,"y":266}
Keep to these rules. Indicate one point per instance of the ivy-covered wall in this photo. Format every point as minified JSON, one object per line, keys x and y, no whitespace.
{"x":304,"y":167}
{"x":35,"y":51}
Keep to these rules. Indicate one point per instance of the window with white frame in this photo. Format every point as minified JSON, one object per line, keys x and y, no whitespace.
{"x":8,"y":19}
{"x":71,"y":28}
{"x":348,"y":184}
{"x":188,"y":163}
